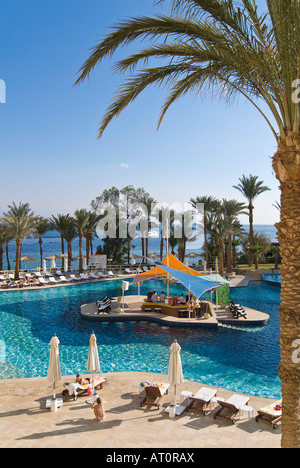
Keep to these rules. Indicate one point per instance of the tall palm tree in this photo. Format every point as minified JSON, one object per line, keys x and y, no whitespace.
{"x":42,"y":226}
{"x":251,"y":188}
{"x":59,"y":223}
{"x":21,"y":222}
{"x":229,"y":47}
{"x":210,"y":206}
{"x":90,"y":232}
{"x":70,"y":233}
{"x":231,"y":209}
{"x":81,"y":218}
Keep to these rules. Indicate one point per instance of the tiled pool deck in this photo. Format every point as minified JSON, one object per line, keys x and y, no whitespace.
{"x":25,"y":423}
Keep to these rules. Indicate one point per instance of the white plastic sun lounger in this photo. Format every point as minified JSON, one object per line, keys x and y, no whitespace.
{"x":110,"y":273}
{"x":43,"y":281}
{"x":94,"y":276}
{"x":64,"y":279}
{"x":84,"y":276}
{"x":202,"y":399}
{"x":145,"y":269}
{"x":233,"y":405}
{"x":75,"y":278}
{"x":53,"y":280}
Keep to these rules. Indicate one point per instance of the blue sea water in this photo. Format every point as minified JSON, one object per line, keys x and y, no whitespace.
{"x":242,"y":360}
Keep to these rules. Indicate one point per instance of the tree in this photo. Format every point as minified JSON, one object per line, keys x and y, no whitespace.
{"x":20,"y":221}
{"x":90,"y":231}
{"x":69,"y":234}
{"x":81,"y":218}
{"x":228,"y":47}
{"x":210,"y":206}
{"x":59,"y":223}
{"x":42,"y":226}
{"x":231,"y":209}
{"x":251,"y":188}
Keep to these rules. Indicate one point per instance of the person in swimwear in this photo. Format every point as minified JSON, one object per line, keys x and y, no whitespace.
{"x":98,"y":410}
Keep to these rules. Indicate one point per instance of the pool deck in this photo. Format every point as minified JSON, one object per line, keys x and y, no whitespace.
{"x":133,"y":311}
{"x":26,"y":423}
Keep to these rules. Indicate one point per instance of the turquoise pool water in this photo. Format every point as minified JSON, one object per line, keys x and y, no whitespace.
{"x":242,"y":360}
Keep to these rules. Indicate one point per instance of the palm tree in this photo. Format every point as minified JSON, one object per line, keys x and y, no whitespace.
{"x":210,"y":206}
{"x":81,"y":220}
{"x":42,"y":226}
{"x":228,"y":47}
{"x":59,"y":223}
{"x":250,"y":188}
{"x":90,"y":232}
{"x":231,"y":209}
{"x":21,"y":222}
{"x":70,"y":233}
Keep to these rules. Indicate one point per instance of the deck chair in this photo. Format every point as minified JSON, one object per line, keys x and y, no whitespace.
{"x":230,"y":408}
{"x":43,"y":281}
{"x":154,"y":394}
{"x":202,"y":399}
{"x":53,"y":280}
{"x":270,"y":414}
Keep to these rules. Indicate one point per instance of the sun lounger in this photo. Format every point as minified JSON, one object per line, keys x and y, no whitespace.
{"x":110,"y":273}
{"x":202,"y":399}
{"x":101,"y":274}
{"x":75,"y":278}
{"x":139,"y":270}
{"x":94,"y":276}
{"x":38,"y":274}
{"x":3,"y":278}
{"x":82,"y":389}
{"x":58,"y":273}
{"x":271,"y":414}
{"x":53,"y":280}
{"x":43,"y":281}
{"x":128,"y":271}
{"x":84,"y":276}
{"x":230,"y":408}
{"x":145,"y":269}
{"x":154,"y":394}
{"x":63,"y":279}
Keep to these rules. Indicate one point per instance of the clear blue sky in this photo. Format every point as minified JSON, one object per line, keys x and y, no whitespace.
{"x":49,"y":152}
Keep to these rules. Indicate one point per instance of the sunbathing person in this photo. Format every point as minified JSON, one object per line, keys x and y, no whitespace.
{"x":81,"y":381}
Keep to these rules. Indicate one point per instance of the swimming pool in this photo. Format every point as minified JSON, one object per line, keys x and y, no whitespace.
{"x":242,"y":360}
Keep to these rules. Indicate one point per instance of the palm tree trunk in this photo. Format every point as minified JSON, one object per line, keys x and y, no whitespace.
{"x":62,"y":250}
{"x":286,"y":164}
{"x":80,"y":235}
{"x":1,"y":257}
{"x":229,"y":254}
{"x":251,"y":232}
{"x":7,"y":256}
{"x":41,"y":251}
{"x":18,"y":256}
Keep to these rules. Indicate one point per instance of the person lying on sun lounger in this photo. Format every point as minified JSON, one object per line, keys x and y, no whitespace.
{"x":81,"y":381}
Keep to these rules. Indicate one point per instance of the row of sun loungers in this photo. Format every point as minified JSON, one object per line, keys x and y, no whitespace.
{"x":237,"y":310}
{"x":202,"y":402}
{"x":37,"y":278}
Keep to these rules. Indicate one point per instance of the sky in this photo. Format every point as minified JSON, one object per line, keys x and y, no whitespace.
{"x":50,"y":156}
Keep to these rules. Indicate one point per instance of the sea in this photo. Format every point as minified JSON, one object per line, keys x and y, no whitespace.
{"x":52,"y":246}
